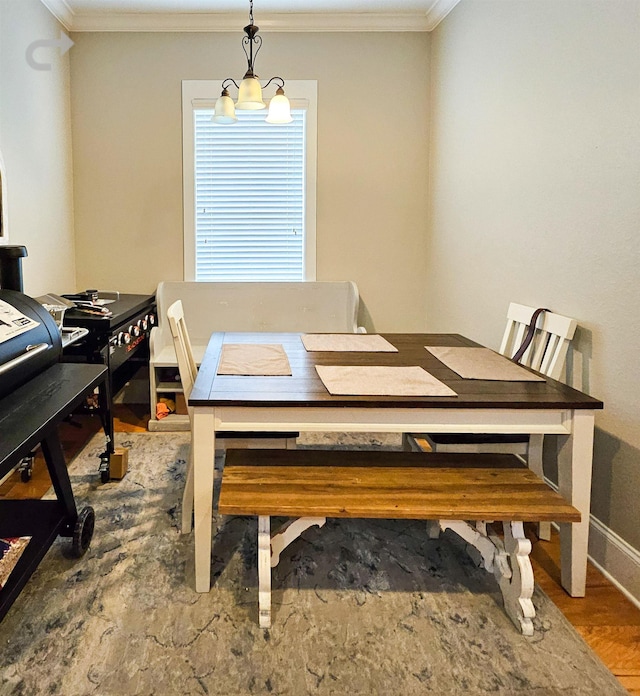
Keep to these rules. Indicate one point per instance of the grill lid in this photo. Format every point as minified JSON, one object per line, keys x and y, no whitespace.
{"x":30,"y":341}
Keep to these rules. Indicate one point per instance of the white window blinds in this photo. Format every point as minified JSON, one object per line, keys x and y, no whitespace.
{"x":249,"y":198}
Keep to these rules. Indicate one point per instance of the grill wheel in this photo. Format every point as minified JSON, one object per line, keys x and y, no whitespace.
{"x":83,"y":531}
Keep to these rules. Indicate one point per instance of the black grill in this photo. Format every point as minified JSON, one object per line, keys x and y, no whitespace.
{"x":120,"y":341}
{"x":29,"y":353}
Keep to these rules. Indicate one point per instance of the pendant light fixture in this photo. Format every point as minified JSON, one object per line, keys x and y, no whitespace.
{"x":250,"y":89}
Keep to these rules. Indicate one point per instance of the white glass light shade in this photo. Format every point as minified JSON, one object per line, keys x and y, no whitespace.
{"x":279,"y":109}
{"x":225,"y":111}
{"x":250,"y":95}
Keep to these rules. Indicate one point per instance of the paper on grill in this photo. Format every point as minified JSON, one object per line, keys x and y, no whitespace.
{"x":253,"y":359}
{"x":347,"y":342}
{"x":482,"y":363}
{"x":13,"y":322}
{"x":352,"y":380}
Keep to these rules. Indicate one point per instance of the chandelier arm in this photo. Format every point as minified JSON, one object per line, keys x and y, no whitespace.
{"x":226,"y":82}
{"x":277,"y":79}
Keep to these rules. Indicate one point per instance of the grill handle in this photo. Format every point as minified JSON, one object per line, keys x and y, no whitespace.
{"x":31,"y":351}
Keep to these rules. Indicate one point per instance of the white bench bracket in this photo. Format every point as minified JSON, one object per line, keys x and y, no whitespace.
{"x":508,"y":560}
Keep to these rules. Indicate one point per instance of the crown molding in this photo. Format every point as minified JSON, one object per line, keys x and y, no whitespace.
{"x":229,"y":22}
{"x":214,"y":22}
{"x":61,"y":11}
{"x":438,"y":11}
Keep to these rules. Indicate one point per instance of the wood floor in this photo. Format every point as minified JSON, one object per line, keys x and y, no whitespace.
{"x":605,"y":618}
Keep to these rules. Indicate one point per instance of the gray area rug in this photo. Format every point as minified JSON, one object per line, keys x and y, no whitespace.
{"x":359,"y":607}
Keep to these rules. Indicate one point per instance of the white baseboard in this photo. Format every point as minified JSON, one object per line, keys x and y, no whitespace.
{"x":615,"y":558}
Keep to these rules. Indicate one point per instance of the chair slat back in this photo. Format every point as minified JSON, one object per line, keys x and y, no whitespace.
{"x":547,"y":352}
{"x":186,"y":363}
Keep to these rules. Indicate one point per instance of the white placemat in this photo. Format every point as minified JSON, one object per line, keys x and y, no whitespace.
{"x":482,"y":363}
{"x":351,"y":380}
{"x":372,"y":343}
{"x":253,"y":359}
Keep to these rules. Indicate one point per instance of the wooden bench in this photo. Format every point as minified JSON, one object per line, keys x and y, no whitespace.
{"x":446,"y":489}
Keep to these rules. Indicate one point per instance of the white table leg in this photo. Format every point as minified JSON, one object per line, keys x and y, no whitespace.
{"x":203,"y":448}
{"x":534,"y":461}
{"x":575,"y":459}
{"x":187,"y":496}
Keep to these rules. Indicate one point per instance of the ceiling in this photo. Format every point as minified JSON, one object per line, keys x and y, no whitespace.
{"x":227,"y":15}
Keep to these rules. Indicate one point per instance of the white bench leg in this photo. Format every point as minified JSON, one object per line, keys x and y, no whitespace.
{"x":264,"y":571}
{"x":509,"y":562}
{"x":269,"y":550}
{"x":515,"y":577}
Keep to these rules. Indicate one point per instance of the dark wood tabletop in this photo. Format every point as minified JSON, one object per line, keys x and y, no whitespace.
{"x":304,"y":387}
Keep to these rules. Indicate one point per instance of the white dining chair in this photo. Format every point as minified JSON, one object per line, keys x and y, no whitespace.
{"x":188,"y":370}
{"x":547,"y":354}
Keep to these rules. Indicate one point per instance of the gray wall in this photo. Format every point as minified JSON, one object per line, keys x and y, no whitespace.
{"x":535,"y":198}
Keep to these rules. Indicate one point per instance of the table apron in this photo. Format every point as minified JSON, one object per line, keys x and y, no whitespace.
{"x":339,"y":419}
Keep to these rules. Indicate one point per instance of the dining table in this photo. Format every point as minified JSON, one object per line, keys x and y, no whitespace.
{"x":301,"y":402}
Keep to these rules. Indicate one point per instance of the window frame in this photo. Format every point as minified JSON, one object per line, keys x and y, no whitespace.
{"x":4,"y":232}
{"x":198,"y":94}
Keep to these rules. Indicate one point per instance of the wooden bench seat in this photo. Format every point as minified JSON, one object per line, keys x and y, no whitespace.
{"x":450,"y":488}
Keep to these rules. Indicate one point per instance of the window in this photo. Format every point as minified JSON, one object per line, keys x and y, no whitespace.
{"x":249,"y":189}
